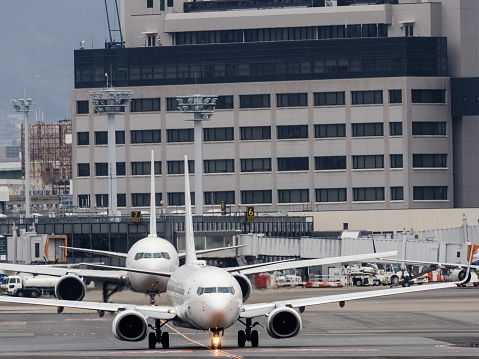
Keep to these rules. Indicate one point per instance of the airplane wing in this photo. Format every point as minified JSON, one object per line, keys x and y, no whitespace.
{"x":112,"y":276}
{"x":259,"y":309}
{"x":156,"y":312}
{"x":204,"y":251}
{"x":128,"y":269}
{"x":95,"y":251}
{"x":269,"y":267}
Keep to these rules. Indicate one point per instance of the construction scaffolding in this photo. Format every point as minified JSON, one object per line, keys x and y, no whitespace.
{"x":50,"y":147}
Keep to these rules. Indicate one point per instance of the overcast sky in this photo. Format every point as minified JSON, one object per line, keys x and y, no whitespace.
{"x":37,"y":39}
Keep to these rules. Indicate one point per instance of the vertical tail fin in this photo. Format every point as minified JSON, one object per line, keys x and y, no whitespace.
{"x":153,"y":232}
{"x":189,"y":237}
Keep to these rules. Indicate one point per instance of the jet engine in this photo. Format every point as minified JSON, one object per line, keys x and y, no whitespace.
{"x":459,"y":275}
{"x":130,"y":326}
{"x":244,"y":284}
{"x":70,"y":287}
{"x":283,"y":323}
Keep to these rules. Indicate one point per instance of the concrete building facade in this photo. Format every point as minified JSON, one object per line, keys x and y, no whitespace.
{"x":322,"y":105}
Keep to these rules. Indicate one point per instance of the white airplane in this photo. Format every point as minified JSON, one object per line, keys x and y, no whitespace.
{"x":210,"y":299}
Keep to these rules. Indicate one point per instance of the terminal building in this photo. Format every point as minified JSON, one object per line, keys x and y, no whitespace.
{"x":322,"y":105}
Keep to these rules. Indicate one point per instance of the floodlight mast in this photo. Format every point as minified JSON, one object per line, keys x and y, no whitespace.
{"x":111,"y":101}
{"x":203,"y":108}
{"x":23,"y":105}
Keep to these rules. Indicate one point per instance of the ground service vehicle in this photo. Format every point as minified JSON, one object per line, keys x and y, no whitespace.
{"x":31,"y":286}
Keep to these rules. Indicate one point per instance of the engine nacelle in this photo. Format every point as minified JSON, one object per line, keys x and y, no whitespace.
{"x":70,"y":287}
{"x":283,"y":323}
{"x":244,"y":284}
{"x":130,"y":326}
{"x":458,"y":275}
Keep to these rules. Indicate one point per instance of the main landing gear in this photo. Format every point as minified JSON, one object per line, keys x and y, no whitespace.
{"x":157,"y":336}
{"x":216,"y":340}
{"x":248,"y":334}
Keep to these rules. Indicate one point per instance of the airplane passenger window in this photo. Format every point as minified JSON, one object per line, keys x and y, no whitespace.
{"x":210,"y":290}
{"x":138,"y":256}
{"x":200,"y":291}
{"x":166,"y":255}
{"x":146,"y":255}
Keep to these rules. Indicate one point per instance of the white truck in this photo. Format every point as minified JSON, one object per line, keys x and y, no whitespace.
{"x":31,"y":286}
{"x":393,"y":274}
{"x":357,"y":274}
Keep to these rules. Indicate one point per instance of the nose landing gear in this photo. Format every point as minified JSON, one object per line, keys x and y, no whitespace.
{"x":158,"y":336}
{"x":216,"y":340}
{"x":248,"y":334}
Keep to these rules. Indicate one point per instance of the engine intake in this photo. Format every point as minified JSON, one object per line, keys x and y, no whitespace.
{"x":70,"y":287}
{"x":283,"y":323}
{"x":244,"y":284}
{"x":130,"y":326}
{"x":458,"y":275}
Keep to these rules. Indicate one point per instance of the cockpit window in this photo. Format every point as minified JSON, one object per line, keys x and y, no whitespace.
{"x":165,"y":255}
{"x":157,"y":255}
{"x":221,"y":290}
{"x":138,"y":256}
{"x":146,"y":255}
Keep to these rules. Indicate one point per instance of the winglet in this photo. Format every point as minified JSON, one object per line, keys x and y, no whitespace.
{"x":189,"y":237}
{"x":153,"y":232}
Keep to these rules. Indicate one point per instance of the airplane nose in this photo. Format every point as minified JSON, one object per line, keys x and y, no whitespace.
{"x":220,"y":311}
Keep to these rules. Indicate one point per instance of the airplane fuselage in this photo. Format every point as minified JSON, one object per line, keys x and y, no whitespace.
{"x":155,"y":254}
{"x":205,"y":297}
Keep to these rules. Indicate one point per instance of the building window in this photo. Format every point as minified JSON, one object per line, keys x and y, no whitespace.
{"x":428,"y":96}
{"x":396,"y":161}
{"x":429,"y":128}
{"x":121,"y":199}
{"x":291,"y":99}
{"x":120,"y":169}
{"x":145,"y":136}
{"x":368,"y":162}
{"x":101,"y":169}
{"x":292,"y":132}
{"x":330,"y":130}
{"x":101,"y":200}
{"x":397,"y":193}
{"x":82,"y":107}
{"x":328,"y":98}
{"x":224,"y":103}
{"x":83,"y":170}
{"x":149,"y":4}
{"x":178,"y":167}
{"x":429,"y":160}
{"x":101,"y":137}
{"x":367,"y":97}
{"x":255,"y":133}
{"x":171,"y":104}
{"x":368,"y":194}
{"x":143,"y":199}
{"x":178,"y":198}
{"x":145,"y":105}
{"x":368,"y":129}
{"x":83,"y":138}
{"x":227,"y":197}
{"x":258,"y":196}
{"x":409,"y":30}
{"x":293,"y":164}
{"x":162,"y":5}
{"x":144,"y":168}
{"x":395,"y":96}
{"x":169,"y":3}
{"x":293,"y":196}
{"x":84,"y":200}
{"x":395,"y":128}
{"x":331,"y":195}
{"x":430,"y":193}
{"x":218,"y":134}
{"x":180,"y":135}
{"x":255,"y":101}
{"x":256,"y":165}
{"x":219,"y":166}
{"x":324,"y":163}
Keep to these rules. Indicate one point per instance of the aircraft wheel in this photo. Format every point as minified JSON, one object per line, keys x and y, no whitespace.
{"x":151,"y":340}
{"x":254,"y":338}
{"x":165,"y":340}
{"x":241,"y":338}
